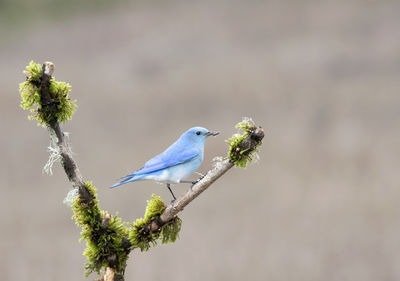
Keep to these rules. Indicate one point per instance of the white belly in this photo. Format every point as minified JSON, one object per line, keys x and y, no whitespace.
{"x":176,"y":173}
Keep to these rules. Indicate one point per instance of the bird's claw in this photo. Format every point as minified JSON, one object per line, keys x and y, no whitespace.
{"x":194,"y":182}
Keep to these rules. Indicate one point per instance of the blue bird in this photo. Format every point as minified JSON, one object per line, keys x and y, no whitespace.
{"x":177,"y":162}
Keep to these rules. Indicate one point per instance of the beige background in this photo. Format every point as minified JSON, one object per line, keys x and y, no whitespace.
{"x":323,"y":79}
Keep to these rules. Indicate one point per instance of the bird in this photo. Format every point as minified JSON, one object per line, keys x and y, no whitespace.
{"x":177,"y":162}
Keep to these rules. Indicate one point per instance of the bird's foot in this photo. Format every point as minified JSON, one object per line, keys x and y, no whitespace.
{"x":194,"y":182}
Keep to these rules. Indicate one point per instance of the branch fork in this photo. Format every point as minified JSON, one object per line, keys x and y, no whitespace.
{"x":242,"y":147}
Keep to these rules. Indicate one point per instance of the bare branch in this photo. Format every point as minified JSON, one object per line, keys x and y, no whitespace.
{"x":106,"y":220}
{"x":109,"y":274}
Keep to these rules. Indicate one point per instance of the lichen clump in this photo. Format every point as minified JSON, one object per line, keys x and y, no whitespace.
{"x":106,"y":246}
{"x":141,"y":237}
{"x":109,"y":246}
{"x":239,"y":152}
{"x":60,"y":108}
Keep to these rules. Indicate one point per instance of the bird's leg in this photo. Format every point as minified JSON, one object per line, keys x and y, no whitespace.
{"x":192,"y":182}
{"x":170,"y":190}
{"x":196,"y":181}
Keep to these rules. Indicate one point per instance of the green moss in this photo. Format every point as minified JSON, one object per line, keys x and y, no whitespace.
{"x":170,"y":230}
{"x":238,"y":153}
{"x":61,"y":107}
{"x":105,"y":246}
{"x":87,"y":215}
{"x":29,"y":89}
{"x":60,"y":94}
{"x":33,"y":71}
{"x":141,"y":237}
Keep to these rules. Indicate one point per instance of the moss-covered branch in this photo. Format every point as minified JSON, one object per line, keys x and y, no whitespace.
{"x":109,"y":240}
{"x":108,"y":245}
{"x":47,"y":98}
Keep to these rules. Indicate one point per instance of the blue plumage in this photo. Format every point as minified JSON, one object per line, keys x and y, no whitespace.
{"x":177,"y":162}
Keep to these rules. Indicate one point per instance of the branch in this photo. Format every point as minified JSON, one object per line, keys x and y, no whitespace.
{"x":249,"y":143}
{"x":70,"y":167}
{"x":109,"y":240}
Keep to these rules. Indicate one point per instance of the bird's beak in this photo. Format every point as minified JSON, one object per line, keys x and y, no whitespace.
{"x":211,"y":133}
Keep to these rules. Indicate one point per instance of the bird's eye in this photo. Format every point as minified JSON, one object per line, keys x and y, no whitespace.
{"x":198,"y":133}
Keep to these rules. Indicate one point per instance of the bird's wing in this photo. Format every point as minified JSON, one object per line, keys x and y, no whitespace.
{"x":165,"y":160}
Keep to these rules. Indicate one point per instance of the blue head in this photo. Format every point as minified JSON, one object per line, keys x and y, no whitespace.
{"x":197,"y":136}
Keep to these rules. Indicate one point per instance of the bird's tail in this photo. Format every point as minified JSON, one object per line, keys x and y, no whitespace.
{"x":128,"y":179}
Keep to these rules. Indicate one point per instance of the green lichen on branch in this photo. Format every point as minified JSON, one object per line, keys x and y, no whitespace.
{"x":59,"y":109}
{"x":106,"y":246}
{"x":110,"y":245}
{"x":141,"y":235}
{"x":87,"y":213}
{"x":241,"y":150}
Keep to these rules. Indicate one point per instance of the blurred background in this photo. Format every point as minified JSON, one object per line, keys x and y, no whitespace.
{"x":322,"y":78}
